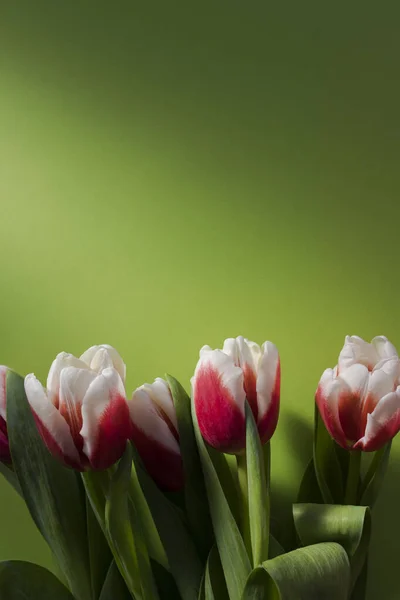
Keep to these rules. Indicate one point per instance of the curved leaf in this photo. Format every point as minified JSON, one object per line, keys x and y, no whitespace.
{"x":10,"y":476}
{"x":309,"y":489}
{"x":195,"y":492}
{"x":126,"y":536}
{"x":183,"y":560}
{"x":328,"y":469}
{"x":349,"y":526}
{"x":99,"y":551}
{"x":234,"y":559}
{"x":114,"y":587}
{"x":26,"y":581}
{"x":215,"y":586}
{"x":52,"y":492}
{"x":151,"y":535}
{"x":318,"y":572}
{"x":258,"y":491}
{"x":375,"y":476}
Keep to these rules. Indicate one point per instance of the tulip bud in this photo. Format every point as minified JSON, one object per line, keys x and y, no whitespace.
{"x":5,"y":455}
{"x":155,"y":434}
{"x":224,"y":379}
{"x":359,"y":400}
{"x":83,"y":415}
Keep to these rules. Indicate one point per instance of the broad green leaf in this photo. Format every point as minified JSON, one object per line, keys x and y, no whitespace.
{"x":359,"y":591}
{"x":318,"y":572}
{"x":326,"y":462}
{"x":228,"y":478}
{"x":215,"y":586}
{"x":196,"y":503}
{"x":99,"y":552}
{"x":375,"y":476}
{"x":10,"y":476}
{"x":309,"y":489}
{"x":52,"y":492}
{"x":258,"y":491}
{"x":26,"y":581}
{"x":166,"y":584}
{"x":234,"y":559}
{"x":183,"y":559}
{"x":114,"y":587}
{"x":126,"y":536}
{"x":349,"y":526}
{"x":274,"y":547}
{"x":151,"y":535}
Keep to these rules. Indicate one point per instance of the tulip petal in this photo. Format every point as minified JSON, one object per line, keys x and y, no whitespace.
{"x":51,"y":424}
{"x":380,"y":384}
{"x":103,"y":356}
{"x":383,"y":347}
{"x":62,"y":361}
{"x":5,"y":455}
{"x":156,"y":443}
{"x":356,"y":350}
{"x":73,"y":386}
{"x":219,"y":399}
{"x":105,"y":420}
{"x":3,"y":392}
{"x":327,"y":397}
{"x":268,"y":391}
{"x":351,"y":400}
{"x":382,"y":424}
{"x":146,"y":417}
{"x":160,"y":393}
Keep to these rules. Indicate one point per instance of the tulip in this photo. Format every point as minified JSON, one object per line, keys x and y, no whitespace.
{"x":359,"y":400}
{"x":222,"y":382}
{"x":83,"y":415}
{"x":5,"y":455}
{"x":155,"y":434}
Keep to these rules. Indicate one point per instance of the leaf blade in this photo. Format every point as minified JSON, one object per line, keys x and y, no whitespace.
{"x":21,"y":580}
{"x":234,"y":559}
{"x":52,"y":492}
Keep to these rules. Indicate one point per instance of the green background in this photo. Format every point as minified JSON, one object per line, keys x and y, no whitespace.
{"x":175,"y":173}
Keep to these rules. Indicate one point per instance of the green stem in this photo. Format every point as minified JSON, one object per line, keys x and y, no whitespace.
{"x":267,"y":470}
{"x":353,"y":477}
{"x":244,"y":501}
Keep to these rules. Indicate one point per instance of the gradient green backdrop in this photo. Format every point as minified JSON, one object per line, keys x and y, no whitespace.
{"x":175,"y":173}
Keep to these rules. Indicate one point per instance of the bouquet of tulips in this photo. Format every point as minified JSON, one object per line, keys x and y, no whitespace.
{"x":167,"y":496}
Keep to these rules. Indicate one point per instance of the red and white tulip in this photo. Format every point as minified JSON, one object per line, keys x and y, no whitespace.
{"x":222,"y":382}
{"x":155,"y":434}
{"x":83,"y":414}
{"x":359,"y":400}
{"x":5,"y":455}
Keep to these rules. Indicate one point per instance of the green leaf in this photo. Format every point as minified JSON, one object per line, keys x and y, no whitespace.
{"x":52,"y":492}
{"x":114,"y":587}
{"x":228,"y":478}
{"x":349,"y":526}
{"x":375,"y":476}
{"x":318,"y":572}
{"x":10,"y":476}
{"x":99,"y":552}
{"x":183,"y":560}
{"x":234,"y":559}
{"x":195,"y":492}
{"x":126,"y":536}
{"x":309,"y":489}
{"x":275,"y":549}
{"x":151,"y":535}
{"x":26,"y":581}
{"x":215,"y":586}
{"x":327,"y":467}
{"x":258,"y":491}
